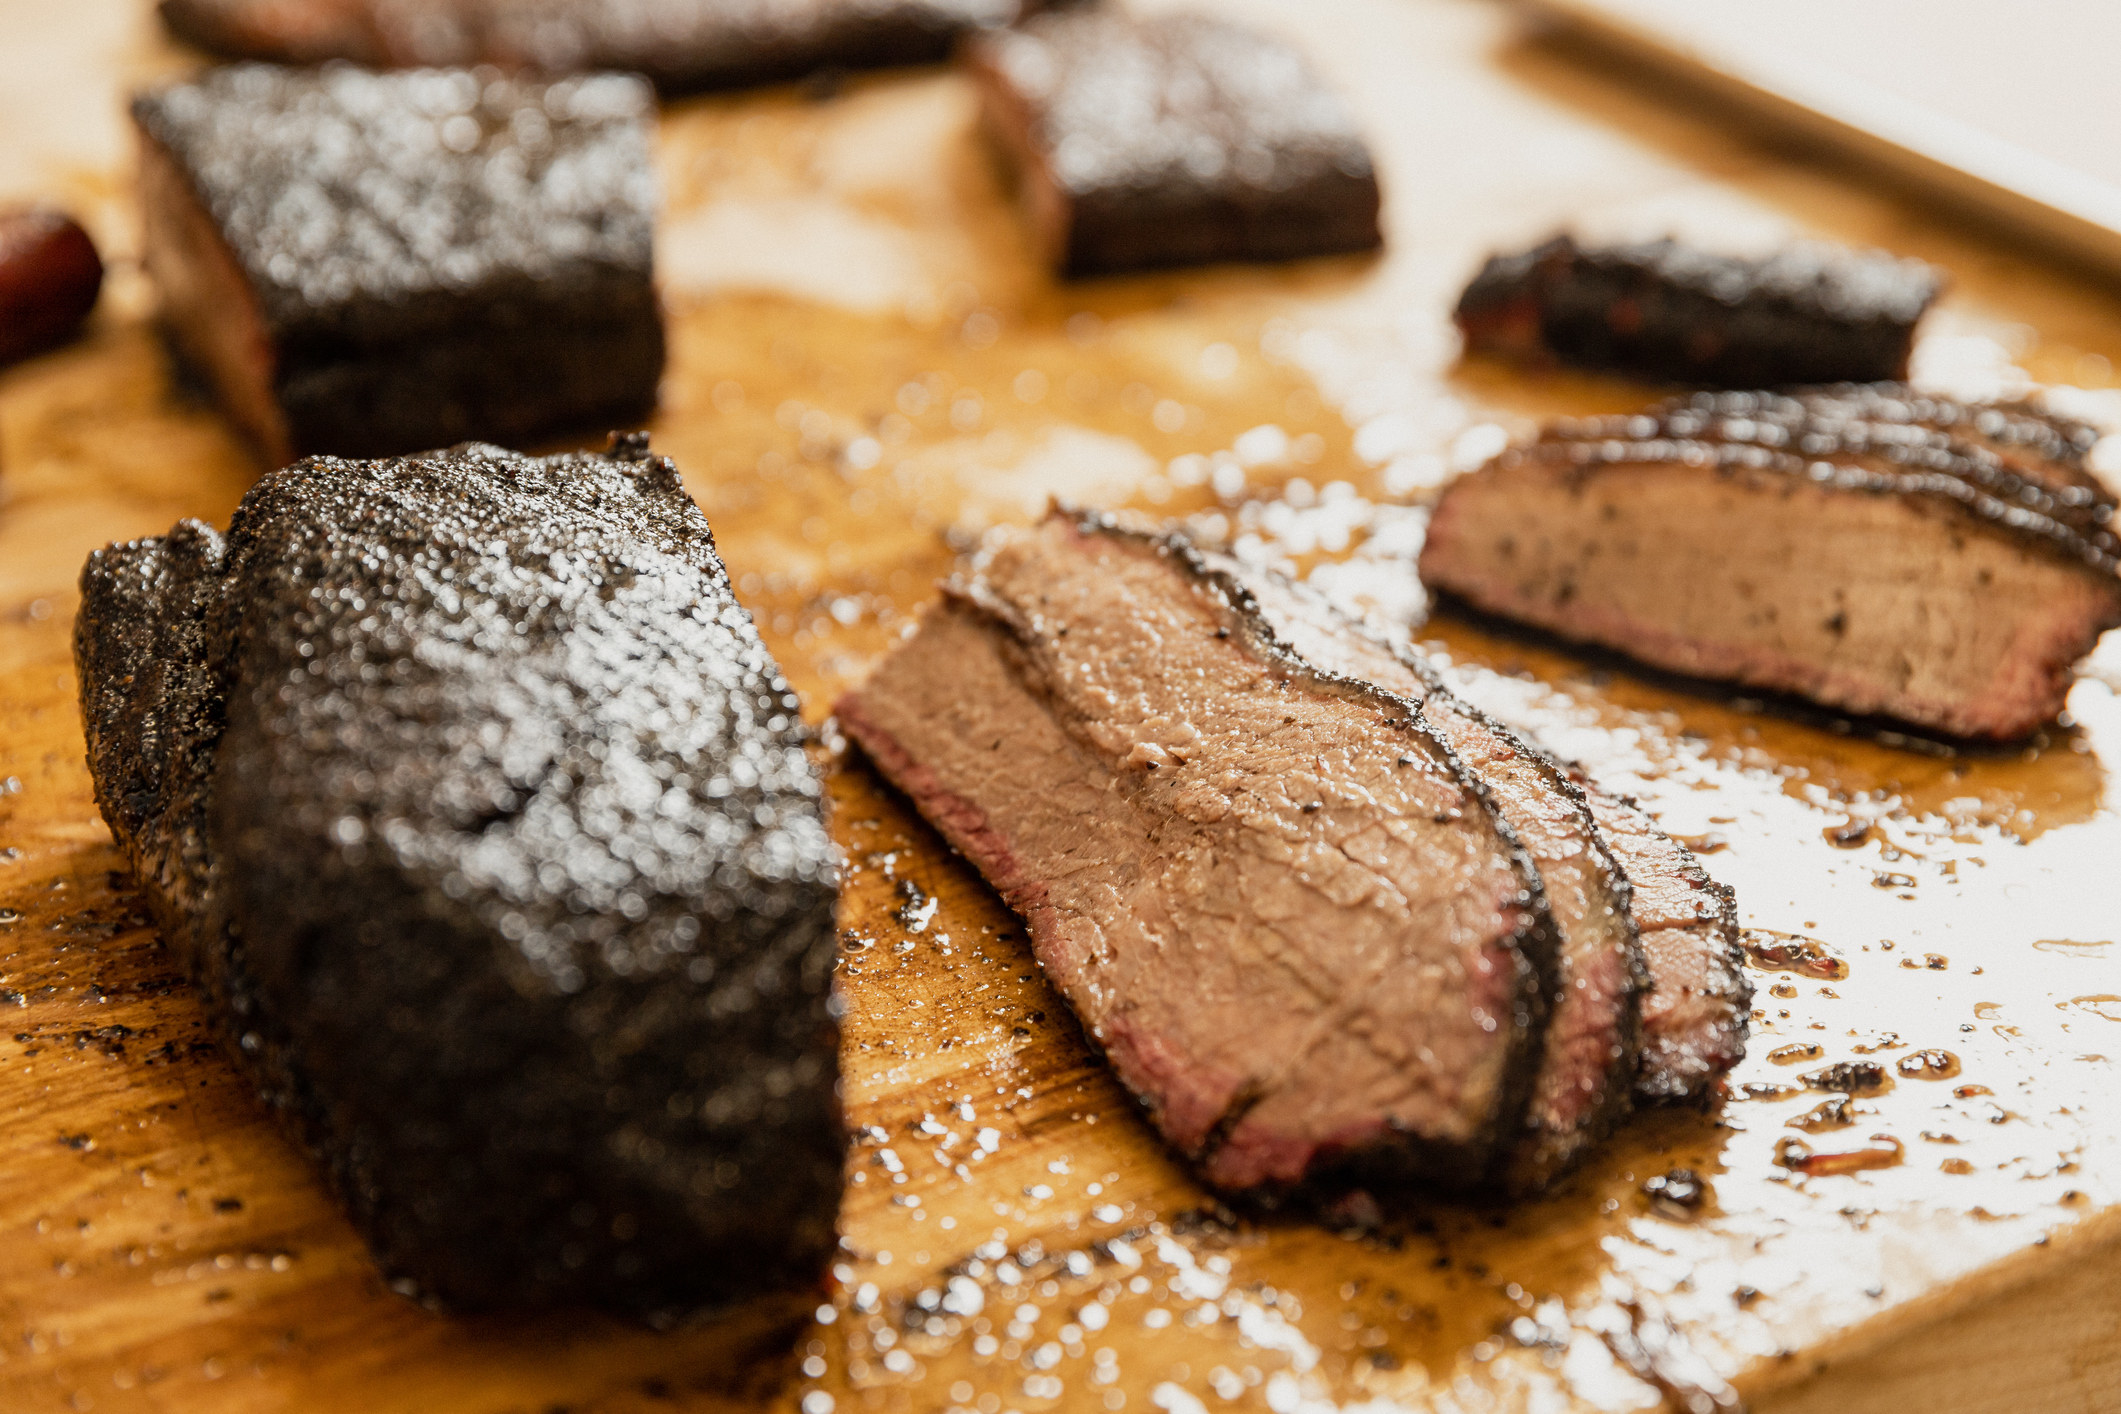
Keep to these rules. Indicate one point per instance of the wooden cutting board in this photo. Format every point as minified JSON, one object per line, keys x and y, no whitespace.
{"x":867,"y":369}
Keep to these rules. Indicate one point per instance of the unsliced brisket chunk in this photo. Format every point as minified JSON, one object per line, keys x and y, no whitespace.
{"x":1874,"y":566}
{"x":1299,"y":930}
{"x":1172,"y":140}
{"x":1810,"y":313}
{"x":1588,"y":1069}
{"x":364,"y":264}
{"x":680,"y":44}
{"x":468,"y":796}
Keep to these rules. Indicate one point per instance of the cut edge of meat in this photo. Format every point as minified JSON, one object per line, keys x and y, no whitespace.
{"x":208,"y":309}
{"x":2032,"y":685}
{"x":1696,"y":1015}
{"x":1399,"y":1156}
{"x":1597,"y":1006}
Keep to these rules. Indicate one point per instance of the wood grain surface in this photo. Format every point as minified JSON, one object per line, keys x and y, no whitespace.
{"x":867,"y":369}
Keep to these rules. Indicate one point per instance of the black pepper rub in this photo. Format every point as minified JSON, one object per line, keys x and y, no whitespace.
{"x":471,"y":801}
{"x":366,"y":264}
{"x":1810,"y":313}
{"x":1172,"y":140}
{"x":680,"y":44}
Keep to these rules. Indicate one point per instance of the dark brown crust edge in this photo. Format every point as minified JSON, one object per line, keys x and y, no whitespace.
{"x":1404,"y":1159}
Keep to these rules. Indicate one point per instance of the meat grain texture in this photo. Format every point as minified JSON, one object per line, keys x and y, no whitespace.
{"x":471,"y":801}
{"x":1876,"y":551}
{"x":1326,"y":920}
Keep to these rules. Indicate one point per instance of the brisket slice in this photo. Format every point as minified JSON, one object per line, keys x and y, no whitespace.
{"x":1810,"y":313}
{"x":1588,"y":1070}
{"x":680,"y":44}
{"x":1874,"y":567}
{"x":1295,"y":924}
{"x":1697,"y":1013}
{"x":1172,"y":140}
{"x":466,"y":793}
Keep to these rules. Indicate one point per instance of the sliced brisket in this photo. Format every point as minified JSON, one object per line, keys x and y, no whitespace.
{"x":1296,"y":925}
{"x":469,"y":797}
{"x":1807,"y":314}
{"x":365,"y":264}
{"x":1697,"y":1013}
{"x":1802,"y":545}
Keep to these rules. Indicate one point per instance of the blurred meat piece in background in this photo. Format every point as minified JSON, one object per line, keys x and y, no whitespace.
{"x":49,"y":277}
{"x":1810,"y":313}
{"x":1176,"y":140}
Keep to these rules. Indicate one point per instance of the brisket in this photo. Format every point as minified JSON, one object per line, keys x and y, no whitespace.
{"x":1696,"y":1014}
{"x":1588,"y":1067}
{"x":1172,"y":140}
{"x":1810,"y":313}
{"x":1295,"y":924}
{"x":468,"y":796}
{"x":679,"y":44}
{"x":1946,"y":574}
{"x":366,"y":264}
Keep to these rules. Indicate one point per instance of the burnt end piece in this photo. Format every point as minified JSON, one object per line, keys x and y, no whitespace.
{"x":470,"y":799}
{"x":679,"y":44}
{"x":365,"y":264}
{"x":1876,"y":565}
{"x":49,"y":277}
{"x":1172,"y":140}
{"x":1808,"y":314}
{"x":1697,"y":1013}
{"x":1301,"y":934}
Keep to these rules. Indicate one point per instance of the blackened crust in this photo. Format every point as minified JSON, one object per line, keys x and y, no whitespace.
{"x":367,"y":264}
{"x":469,"y":798}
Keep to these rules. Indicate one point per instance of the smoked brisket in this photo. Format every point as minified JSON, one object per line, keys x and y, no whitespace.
{"x":1832,"y":545}
{"x":1810,"y":313}
{"x":367,"y":264}
{"x":471,"y":801}
{"x":1323,"y":916}
{"x":1172,"y":140}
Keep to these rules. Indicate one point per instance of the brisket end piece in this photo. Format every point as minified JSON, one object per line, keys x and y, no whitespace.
{"x":1270,"y":891}
{"x":679,"y":44}
{"x":50,"y":275}
{"x":1810,"y":313}
{"x":365,"y":264}
{"x":1874,"y":567}
{"x":470,"y":799}
{"x":1698,"y":1011}
{"x":1172,"y":140}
